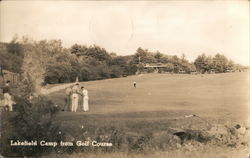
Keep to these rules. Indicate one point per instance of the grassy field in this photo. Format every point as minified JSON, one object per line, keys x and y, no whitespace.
{"x":203,"y":153}
{"x":159,"y":103}
{"x":221,"y":97}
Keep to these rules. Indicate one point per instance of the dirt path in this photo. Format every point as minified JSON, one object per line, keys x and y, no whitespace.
{"x":46,"y":91}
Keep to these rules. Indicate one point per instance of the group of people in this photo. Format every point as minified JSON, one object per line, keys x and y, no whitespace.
{"x":73,"y":95}
{"x":72,"y":99}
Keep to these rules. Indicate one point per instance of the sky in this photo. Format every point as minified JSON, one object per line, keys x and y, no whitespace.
{"x":171,"y":27}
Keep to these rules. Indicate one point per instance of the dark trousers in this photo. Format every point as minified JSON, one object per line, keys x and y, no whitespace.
{"x":67,"y":104}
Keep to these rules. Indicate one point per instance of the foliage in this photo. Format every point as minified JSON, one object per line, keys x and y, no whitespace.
{"x":96,"y":63}
{"x":10,"y":62}
{"x":219,"y":63}
{"x":33,"y":120}
{"x":25,"y":88}
{"x":78,"y":50}
{"x":34,"y":66}
{"x":144,"y":56}
{"x":47,"y":61}
{"x":15,"y":47}
{"x":169,"y":67}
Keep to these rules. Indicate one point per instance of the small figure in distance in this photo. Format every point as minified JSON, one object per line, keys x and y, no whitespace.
{"x":134,"y":84}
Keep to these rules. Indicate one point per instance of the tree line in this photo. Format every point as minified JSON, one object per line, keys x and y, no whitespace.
{"x":218,"y":63}
{"x":53,"y":63}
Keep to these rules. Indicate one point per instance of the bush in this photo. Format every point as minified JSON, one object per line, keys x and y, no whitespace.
{"x":150,"y":70}
{"x":33,"y":120}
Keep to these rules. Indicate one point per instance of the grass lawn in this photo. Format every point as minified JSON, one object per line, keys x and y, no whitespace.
{"x":216,"y":97}
{"x":159,"y":103}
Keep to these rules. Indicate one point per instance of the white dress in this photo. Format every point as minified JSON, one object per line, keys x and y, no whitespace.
{"x":85,"y":100}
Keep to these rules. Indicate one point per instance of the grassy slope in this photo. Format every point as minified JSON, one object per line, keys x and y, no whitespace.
{"x":217,"y":97}
{"x":160,"y":101}
{"x":202,"y":153}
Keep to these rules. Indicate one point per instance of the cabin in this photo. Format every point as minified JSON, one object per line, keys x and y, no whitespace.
{"x":182,"y":72}
{"x":194,"y":72}
{"x":229,"y":70}
{"x":212,"y":71}
{"x":5,"y":75}
{"x":155,"y":68}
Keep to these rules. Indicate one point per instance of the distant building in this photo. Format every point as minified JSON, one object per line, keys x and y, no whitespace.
{"x":245,"y":69}
{"x":8,"y":75}
{"x":156,"y":68}
{"x":182,"y":72}
{"x":229,"y":70}
{"x":193,"y":72}
{"x":212,"y":71}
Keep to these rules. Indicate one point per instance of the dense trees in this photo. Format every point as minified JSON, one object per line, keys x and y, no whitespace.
{"x":48,"y":61}
{"x":219,"y":63}
{"x":95,"y":62}
{"x":201,"y":63}
{"x":170,"y":63}
{"x":11,"y":56}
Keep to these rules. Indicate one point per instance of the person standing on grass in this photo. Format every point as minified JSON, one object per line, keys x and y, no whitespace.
{"x":134,"y":84}
{"x":85,"y":99}
{"x":67,"y":99}
{"x":75,"y":97}
{"x":7,"y":96}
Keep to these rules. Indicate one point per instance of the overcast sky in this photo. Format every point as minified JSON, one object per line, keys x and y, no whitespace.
{"x":171,"y":27}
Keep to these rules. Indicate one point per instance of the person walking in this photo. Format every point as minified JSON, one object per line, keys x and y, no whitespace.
{"x":75,"y":97}
{"x":134,"y":84}
{"x":85,"y":99}
{"x":7,"y":96}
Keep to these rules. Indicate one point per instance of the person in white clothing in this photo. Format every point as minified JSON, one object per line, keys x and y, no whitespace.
{"x":7,"y":96}
{"x":85,"y":99}
{"x":75,"y":97}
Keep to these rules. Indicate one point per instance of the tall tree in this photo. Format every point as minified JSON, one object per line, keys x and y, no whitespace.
{"x":158,"y":56}
{"x":220,"y":63}
{"x":201,"y":63}
{"x":15,"y":47}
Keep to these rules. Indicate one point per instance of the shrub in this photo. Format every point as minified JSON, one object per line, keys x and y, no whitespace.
{"x":150,"y":70}
{"x":33,"y":120}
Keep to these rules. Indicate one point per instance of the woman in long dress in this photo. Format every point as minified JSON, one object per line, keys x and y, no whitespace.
{"x":85,"y":99}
